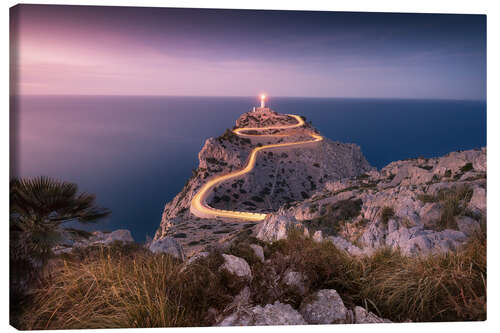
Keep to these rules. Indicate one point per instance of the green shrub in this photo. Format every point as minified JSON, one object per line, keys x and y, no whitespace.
{"x":329,"y":222}
{"x":467,"y":167}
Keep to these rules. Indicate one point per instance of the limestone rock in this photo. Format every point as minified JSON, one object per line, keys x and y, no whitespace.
{"x":342,"y":244}
{"x":361,"y":316}
{"x":478,"y":200}
{"x":324,"y":307}
{"x":167,"y":245}
{"x":467,"y":225}
{"x":430,"y":213}
{"x":70,"y":241}
{"x":237,"y":266}
{"x":197,"y":256}
{"x":417,"y":240}
{"x":318,"y":236}
{"x":259,"y":251}
{"x":374,"y":235}
{"x":275,"y":227}
{"x":241,"y":300}
{"x":271,"y":314}
{"x":120,"y":235}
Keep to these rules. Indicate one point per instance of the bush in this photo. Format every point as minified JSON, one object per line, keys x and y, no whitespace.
{"x":467,"y":167}
{"x":454,"y":203}
{"x":386,"y":214}
{"x":329,"y":222}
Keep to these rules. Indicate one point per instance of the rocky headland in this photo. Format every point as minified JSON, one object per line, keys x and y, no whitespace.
{"x":331,"y":191}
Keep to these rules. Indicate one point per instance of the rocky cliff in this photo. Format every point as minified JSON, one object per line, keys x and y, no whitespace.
{"x":281,"y":176}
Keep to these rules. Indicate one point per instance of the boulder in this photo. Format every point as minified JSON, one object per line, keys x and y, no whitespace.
{"x":197,"y":257}
{"x":258,"y":251}
{"x":430,"y":213}
{"x":271,"y":314}
{"x":324,"y":307}
{"x":343,"y":244}
{"x":361,"y":316}
{"x":478,"y":200}
{"x":318,"y":236}
{"x":236,"y":266}
{"x":467,"y":225}
{"x":168,"y":245}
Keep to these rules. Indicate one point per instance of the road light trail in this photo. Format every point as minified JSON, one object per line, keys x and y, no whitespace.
{"x":200,"y":208}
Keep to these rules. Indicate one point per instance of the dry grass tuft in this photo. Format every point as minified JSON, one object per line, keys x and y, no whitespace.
{"x":112,"y":289}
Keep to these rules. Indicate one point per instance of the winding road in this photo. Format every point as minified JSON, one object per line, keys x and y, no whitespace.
{"x":200,"y":208}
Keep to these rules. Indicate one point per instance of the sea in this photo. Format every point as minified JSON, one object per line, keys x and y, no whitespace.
{"x":136,"y":153}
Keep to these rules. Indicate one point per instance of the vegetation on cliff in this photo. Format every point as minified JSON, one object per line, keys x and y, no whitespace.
{"x":127,"y":286}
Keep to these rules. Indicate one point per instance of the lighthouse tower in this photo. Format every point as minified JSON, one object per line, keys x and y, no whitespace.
{"x":262,"y":104}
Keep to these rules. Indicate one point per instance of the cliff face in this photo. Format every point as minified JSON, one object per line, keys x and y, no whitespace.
{"x":281,"y":176}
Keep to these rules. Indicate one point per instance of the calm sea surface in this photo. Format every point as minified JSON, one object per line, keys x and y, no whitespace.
{"x":136,"y":153}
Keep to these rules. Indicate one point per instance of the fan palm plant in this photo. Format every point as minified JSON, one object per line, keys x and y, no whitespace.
{"x":38,"y":209}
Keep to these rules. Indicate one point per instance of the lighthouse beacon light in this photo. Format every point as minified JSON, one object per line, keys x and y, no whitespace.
{"x":262,"y":101}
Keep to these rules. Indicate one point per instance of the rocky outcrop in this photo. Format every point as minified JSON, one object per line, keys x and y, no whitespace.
{"x":404,"y":206}
{"x":275,"y":227}
{"x":72,"y":240}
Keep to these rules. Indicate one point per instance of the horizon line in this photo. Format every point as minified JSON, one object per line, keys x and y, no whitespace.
{"x":249,"y":96}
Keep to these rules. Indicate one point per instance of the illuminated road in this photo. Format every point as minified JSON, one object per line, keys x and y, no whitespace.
{"x":200,"y":208}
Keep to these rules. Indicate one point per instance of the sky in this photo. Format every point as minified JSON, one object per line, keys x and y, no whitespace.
{"x":93,"y":50}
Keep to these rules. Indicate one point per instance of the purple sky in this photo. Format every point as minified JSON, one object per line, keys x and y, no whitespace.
{"x":162,"y":51}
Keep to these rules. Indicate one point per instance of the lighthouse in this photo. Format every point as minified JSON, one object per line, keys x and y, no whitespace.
{"x":262,"y":107}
